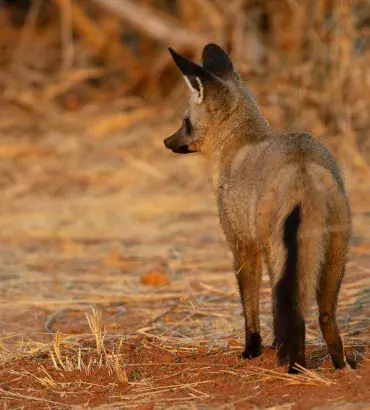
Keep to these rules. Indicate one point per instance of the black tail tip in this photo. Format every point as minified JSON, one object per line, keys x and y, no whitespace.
{"x":291,"y":225}
{"x":289,"y":323}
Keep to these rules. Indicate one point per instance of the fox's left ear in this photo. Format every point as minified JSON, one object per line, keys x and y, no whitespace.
{"x":215,"y":59}
{"x":195,"y":75}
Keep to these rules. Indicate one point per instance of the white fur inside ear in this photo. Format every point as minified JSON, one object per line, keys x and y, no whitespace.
{"x":198,"y":94}
{"x":201,"y":91}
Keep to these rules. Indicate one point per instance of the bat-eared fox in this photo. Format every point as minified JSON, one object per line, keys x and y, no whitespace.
{"x":281,"y":201}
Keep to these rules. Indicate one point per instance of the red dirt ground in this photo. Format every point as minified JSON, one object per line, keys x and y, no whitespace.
{"x":85,"y":220}
{"x":212,"y":378}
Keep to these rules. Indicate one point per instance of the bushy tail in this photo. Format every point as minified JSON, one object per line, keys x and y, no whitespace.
{"x":289,"y":320}
{"x":304,"y":240}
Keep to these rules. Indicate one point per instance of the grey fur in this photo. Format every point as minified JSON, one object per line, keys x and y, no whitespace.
{"x":259,"y":176}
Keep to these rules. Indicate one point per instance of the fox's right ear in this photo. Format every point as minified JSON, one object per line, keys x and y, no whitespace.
{"x":195,"y":75}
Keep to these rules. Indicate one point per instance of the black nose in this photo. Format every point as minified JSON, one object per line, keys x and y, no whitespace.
{"x":166,"y":140}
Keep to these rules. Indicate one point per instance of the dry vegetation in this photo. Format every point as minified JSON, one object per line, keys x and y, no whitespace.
{"x":95,"y":212}
{"x":307,"y":61}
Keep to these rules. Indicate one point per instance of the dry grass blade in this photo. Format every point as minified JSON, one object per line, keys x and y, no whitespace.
{"x":55,"y":364}
{"x":314,"y":375}
{"x":57,"y":342}
{"x":47,"y":381}
{"x":306,"y":377}
{"x":120,"y":371}
{"x":94,"y":321}
{"x":5,"y":394}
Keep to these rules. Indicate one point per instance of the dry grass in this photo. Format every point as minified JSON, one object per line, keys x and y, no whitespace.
{"x":201,"y":329}
{"x":309,"y":67}
{"x":109,"y":354}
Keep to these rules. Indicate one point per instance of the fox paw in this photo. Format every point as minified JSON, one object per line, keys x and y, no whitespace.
{"x":348,"y":363}
{"x":253,"y":347}
{"x":351,"y":363}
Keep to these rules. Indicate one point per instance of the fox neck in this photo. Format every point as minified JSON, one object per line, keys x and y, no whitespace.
{"x":225,"y":143}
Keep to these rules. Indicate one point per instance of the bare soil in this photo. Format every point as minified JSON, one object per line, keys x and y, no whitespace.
{"x":113,"y":220}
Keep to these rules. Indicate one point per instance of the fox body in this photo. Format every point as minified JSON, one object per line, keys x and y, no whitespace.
{"x":281,"y":201}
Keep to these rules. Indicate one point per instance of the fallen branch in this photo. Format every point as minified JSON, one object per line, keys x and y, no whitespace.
{"x":154,"y":26}
{"x":97,"y":38}
{"x":83,"y":25}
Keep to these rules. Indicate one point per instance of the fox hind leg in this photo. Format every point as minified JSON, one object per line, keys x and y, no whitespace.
{"x":248,"y":269}
{"x":327,"y":296}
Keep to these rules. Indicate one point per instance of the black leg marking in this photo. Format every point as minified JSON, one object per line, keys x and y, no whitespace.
{"x":253,"y":346}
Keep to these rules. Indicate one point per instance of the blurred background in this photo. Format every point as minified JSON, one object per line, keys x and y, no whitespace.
{"x":88,"y":92}
{"x":307,"y":61}
{"x":95,"y":210}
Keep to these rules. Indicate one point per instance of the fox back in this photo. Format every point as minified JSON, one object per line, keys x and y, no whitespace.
{"x":281,"y":202}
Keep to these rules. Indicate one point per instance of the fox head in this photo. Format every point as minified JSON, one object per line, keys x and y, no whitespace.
{"x":216,"y":104}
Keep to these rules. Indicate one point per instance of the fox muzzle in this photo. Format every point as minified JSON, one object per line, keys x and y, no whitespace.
{"x":176,"y":142}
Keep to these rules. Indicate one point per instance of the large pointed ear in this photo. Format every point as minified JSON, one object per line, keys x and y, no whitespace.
{"x":215,"y":60}
{"x":195,"y":75}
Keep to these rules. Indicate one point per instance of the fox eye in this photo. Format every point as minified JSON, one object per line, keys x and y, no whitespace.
{"x":187,"y":125}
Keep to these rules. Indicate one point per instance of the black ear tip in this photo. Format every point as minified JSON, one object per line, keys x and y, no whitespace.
{"x":173,"y":52}
{"x":212,"y":45}
{"x":186,"y":66}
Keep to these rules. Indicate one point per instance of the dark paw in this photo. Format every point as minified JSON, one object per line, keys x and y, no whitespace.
{"x":293,"y":370}
{"x":253,"y":347}
{"x":347,"y":362}
{"x":296,"y":368}
{"x":352,"y":362}
{"x":250,"y":353}
{"x":274,"y":344}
